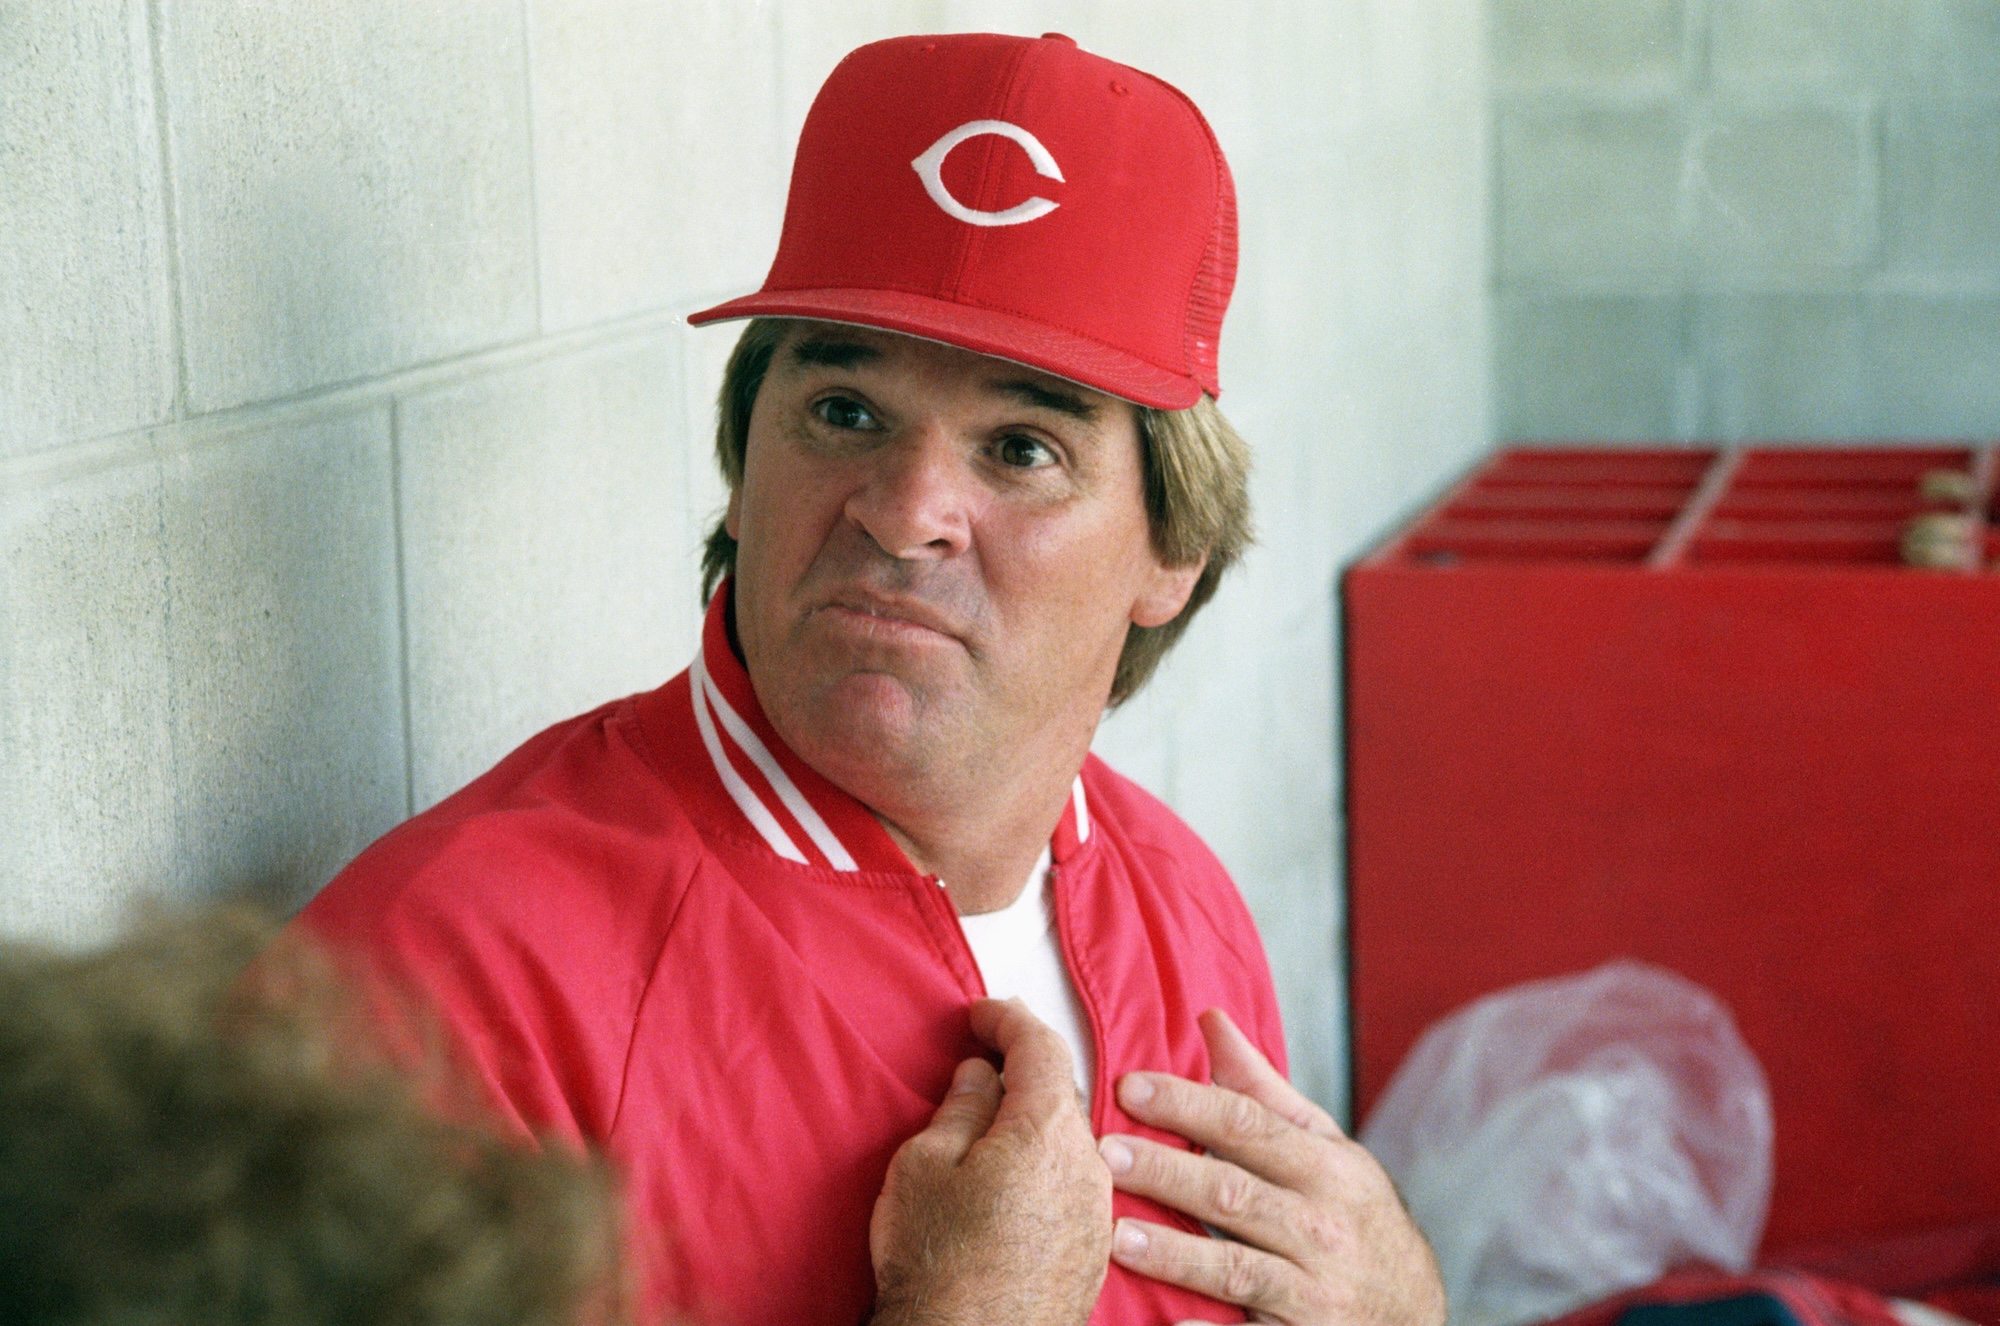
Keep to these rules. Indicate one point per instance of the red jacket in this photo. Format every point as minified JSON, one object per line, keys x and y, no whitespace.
{"x":654,"y":928}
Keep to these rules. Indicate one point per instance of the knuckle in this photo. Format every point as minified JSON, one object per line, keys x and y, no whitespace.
{"x":1327,"y":1234}
{"x":913,"y":1161}
{"x":924,"y":1151}
{"x":1317,"y":1120}
{"x":1052,"y":1038}
{"x":1243,"y":1119}
{"x":1348,"y":1171}
{"x":1243,"y":1279}
{"x":1357,"y":1160}
{"x":1232,"y":1192}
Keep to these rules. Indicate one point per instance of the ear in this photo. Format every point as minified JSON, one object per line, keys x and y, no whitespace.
{"x":1166,"y":592}
{"x":732,"y":517}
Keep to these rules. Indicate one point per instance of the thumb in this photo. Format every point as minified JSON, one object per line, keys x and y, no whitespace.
{"x":1040,"y":1081}
{"x":966,"y":1114}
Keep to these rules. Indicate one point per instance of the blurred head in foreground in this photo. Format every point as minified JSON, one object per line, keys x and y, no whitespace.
{"x":181,"y":1141}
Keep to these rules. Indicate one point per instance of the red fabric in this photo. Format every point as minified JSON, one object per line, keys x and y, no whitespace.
{"x":1956,"y":1269}
{"x":1814,"y":1301}
{"x":1121,"y":286}
{"x":623,"y":958}
{"x":1909,"y":1265}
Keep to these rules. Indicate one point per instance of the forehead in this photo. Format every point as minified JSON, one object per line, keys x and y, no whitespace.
{"x":833,"y":346}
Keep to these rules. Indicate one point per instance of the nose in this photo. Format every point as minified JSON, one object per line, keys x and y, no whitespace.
{"x":916,"y":501}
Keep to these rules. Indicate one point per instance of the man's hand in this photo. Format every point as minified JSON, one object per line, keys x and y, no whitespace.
{"x":1323,"y":1237}
{"x":1000,"y":1210}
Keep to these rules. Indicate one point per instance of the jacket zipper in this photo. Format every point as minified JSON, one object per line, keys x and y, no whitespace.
{"x":939,"y":901}
{"x":1065,"y":942}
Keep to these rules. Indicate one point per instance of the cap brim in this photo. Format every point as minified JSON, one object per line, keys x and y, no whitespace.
{"x":981,"y":330}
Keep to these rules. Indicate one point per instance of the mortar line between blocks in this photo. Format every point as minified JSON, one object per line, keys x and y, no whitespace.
{"x":169,"y":206}
{"x":87,"y":455}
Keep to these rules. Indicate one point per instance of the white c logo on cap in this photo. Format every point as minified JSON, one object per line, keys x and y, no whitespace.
{"x":930,"y":167}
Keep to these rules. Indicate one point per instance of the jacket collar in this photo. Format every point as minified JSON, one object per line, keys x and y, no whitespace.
{"x":799,"y":814}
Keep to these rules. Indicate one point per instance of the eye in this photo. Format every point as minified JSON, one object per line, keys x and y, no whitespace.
{"x":844,"y":412}
{"x":1022,"y":451}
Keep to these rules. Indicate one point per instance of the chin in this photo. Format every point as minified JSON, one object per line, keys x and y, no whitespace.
{"x":872,"y":709}
{"x":867,"y":726}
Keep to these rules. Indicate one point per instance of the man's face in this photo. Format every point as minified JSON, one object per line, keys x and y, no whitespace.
{"x":940,"y":553}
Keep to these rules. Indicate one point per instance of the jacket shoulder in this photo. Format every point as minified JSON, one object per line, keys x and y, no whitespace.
{"x":550,"y":822}
{"x":1142,"y":822}
{"x":527,"y":913}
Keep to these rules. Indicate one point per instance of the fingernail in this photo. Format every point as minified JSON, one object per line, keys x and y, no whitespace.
{"x":1117,"y":1156}
{"x":1128,"y":1240}
{"x":1136,"y":1089}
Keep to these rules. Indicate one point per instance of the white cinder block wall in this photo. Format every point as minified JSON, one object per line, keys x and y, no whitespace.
{"x":350,"y":432}
{"x":1747,"y":218}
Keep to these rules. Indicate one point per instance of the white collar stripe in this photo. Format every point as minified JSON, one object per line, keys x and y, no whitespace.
{"x":746,"y":800}
{"x":788,"y":792}
{"x":1082,"y":812}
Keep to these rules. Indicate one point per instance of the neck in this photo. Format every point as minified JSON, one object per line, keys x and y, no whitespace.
{"x":982,"y":853}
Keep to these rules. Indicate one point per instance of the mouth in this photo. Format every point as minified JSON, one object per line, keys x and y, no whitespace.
{"x":898,"y":620}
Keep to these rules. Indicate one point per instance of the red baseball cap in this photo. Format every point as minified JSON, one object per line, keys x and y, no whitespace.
{"x":1016,"y":197}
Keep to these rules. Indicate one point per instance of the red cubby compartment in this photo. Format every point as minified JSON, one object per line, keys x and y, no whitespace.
{"x":1686,"y":705}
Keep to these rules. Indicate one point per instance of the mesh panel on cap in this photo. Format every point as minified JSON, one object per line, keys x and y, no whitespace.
{"x":1215,"y":278}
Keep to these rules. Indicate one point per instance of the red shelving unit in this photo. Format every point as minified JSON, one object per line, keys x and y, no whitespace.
{"x":1687,"y":705}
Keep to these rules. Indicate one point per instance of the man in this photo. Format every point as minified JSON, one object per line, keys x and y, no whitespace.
{"x":737,"y":929}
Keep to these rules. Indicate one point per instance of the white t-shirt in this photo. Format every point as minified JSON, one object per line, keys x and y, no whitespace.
{"x":1019,"y":955}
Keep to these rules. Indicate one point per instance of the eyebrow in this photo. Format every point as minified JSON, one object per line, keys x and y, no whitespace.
{"x":825,"y":352}
{"x":1048,"y":398}
{"x":829,"y":352}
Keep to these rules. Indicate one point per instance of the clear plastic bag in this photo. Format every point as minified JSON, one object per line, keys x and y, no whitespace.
{"x":1563,"y":1140}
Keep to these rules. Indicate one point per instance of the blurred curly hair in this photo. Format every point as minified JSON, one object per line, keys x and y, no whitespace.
{"x":183,"y":1140}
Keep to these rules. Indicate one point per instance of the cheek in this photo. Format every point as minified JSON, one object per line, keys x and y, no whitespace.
{"x":782,"y":510}
{"x":1083,"y":574}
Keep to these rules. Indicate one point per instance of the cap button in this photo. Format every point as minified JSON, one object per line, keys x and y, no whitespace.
{"x":1057,"y":36}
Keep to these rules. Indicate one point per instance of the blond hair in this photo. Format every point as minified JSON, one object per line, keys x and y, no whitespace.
{"x":1197,"y":485}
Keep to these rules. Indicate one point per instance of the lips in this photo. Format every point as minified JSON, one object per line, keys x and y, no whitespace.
{"x":890,"y":617}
